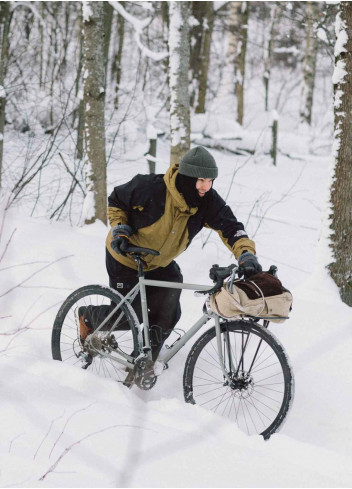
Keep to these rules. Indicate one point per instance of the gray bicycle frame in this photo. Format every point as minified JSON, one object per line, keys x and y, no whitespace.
{"x":171,"y":352}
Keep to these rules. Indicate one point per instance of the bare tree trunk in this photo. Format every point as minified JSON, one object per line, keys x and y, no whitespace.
{"x":242,"y":63}
{"x":4,"y":53}
{"x":94,"y":104}
{"x":268,"y":50}
{"x":341,"y":190}
{"x":116,"y":68}
{"x":196,"y":40}
{"x":205,"y":57}
{"x":225,"y":97}
{"x":108,"y":15}
{"x":309,"y":63}
{"x":54,"y":32}
{"x":79,"y":110}
{"x":178,"y":69}
{"x":41,"y":36}
{"x":165,"y":32}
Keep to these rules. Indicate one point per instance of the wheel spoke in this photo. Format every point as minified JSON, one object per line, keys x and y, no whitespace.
{"x":98,"y":303}
{"x":251,"y":395}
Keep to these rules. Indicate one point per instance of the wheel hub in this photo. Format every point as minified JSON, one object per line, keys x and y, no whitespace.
{"x":242,"y":384}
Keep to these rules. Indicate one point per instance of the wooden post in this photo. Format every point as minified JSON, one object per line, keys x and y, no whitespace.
{"x":152,"y":136}
{"x":274,"y":127}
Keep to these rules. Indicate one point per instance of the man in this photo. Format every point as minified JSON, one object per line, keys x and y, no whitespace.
{"x":165,"y":212}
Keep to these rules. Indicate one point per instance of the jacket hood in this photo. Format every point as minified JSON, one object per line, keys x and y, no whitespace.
{"x":170,"y":182}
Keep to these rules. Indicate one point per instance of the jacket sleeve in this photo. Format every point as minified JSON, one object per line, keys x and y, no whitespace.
{"x":125,"y":198}
{"x":221,"y":218}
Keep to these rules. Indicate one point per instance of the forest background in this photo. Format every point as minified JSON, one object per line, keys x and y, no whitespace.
{"x":93,"y":93}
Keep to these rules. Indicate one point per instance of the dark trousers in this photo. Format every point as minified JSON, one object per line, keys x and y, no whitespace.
{"x":164,"y":308}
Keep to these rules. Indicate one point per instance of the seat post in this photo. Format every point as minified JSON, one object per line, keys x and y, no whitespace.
{"x":140,"y":266}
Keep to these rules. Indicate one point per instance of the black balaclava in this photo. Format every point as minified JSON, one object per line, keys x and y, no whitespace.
{"x":187,"y":187}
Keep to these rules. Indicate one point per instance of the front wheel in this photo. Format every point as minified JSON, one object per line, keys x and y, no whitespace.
{"x":119,"y":335}
{"x":258,"y":391}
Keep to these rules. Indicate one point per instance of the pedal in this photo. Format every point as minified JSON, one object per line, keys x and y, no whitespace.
{"x":129,"y":380}
{"x":86,"y":359}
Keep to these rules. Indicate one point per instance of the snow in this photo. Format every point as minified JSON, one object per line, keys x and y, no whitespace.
{"x":65,"y":427}
{"x":341,"y":35}
{"x":339,"y":72}
{"x":101,"y":434}
{"x":86,"y":11}
{"x":89,"y":200}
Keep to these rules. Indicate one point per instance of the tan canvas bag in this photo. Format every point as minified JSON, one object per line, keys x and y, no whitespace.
{"x":238,"y":303}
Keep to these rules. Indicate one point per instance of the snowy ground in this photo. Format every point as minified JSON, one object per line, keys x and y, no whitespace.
{"x":86,"y":431}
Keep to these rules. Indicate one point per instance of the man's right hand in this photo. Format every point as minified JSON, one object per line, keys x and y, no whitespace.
{"x":120,"y":242}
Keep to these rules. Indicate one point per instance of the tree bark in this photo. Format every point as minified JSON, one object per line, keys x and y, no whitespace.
{"x":178,"y":80}
{"x":341,"y":189}
{"x":196,"y":39}
{"x":94,"y":105}
{"x":309,"y":63}
{"x":108,"y":15}
{"x":117,"y":63}
{"x":205,"y":57}
{"x":242,"y":63}
{"x":4,"y":53}
{"x":41,"y":37}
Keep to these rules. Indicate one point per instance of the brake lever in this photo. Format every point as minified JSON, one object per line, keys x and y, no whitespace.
{"x":211,"y":291}
{"x":232,"y":279}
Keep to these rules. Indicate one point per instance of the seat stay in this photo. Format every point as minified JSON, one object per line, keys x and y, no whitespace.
{"x":128,"y":298}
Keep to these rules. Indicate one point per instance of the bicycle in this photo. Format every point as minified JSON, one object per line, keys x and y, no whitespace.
{"x":237,"y":368}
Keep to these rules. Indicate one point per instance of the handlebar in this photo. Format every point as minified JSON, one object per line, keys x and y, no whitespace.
{"x":216,"y":273}
{"x":219,"y":274}
{"x":138,"y":251}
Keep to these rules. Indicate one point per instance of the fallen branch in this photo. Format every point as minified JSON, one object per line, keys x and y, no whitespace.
{"x":65,"y":426}
{"x":33,"y":274}
{"x":69,"y":448}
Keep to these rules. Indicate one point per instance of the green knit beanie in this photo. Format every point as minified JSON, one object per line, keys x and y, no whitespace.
{"x":198,"y":163}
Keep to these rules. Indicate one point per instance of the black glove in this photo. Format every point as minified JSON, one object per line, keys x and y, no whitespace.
{"x":249,"y":264}
{"x":121,"y":234}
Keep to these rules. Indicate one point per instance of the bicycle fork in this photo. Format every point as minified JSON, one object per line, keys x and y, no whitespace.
{"x":227,"y":351}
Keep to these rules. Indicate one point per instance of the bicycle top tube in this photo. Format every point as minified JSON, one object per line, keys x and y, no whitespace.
{"x":173,"y":285}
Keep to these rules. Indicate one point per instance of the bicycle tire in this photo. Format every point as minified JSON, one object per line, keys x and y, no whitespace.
{"x":256,"y":407}
{"x":65,"y":343}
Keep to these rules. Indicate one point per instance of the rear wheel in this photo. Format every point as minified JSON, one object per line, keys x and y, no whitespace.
{"x":260,"y":390}
{"x":97,"y":302}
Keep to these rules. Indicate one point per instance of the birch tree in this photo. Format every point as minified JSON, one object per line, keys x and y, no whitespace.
{"x":94,"y":104}
{"x":4,"y":52}
{"x":341,"y":189}
{"x":178,"y":80}
{"x":309,"y":63}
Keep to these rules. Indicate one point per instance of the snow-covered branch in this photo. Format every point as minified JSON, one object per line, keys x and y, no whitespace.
{"x":139,"y":26}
